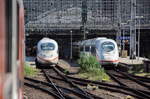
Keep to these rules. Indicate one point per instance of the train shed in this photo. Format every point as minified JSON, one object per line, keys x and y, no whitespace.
{"x":82,"y":19}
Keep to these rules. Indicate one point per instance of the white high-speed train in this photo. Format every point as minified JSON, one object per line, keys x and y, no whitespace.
{"x":47,"y":52}
{"x":105,"y":50}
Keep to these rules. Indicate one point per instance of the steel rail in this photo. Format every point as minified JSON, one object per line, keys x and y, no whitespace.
{"x":106,"y":84}
{"x":111,"y":85}
{"x":146,"y":79}
{"x":133,"y":79}
{"x":74,"y":85}
{"x":110,"y":89}
{"x":42,"y":89}
{"x":122,"y":84}
{"x":116,"y":80}
{"x":97,"y":97}
{"x":50,"y":85}
{"x":54,"y":86}
{"x":66,"y":96}
{"x":140,"y":77}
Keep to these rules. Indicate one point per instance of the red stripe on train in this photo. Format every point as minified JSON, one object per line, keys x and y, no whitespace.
{"x":48,"y":59}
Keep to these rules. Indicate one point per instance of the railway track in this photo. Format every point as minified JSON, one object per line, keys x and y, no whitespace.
{"x":68,"y":83}
{"x":59,"y":91}
{"x":105,"y":86}
{"x":133,"y":77}
{"x":144,"y":79}
{"x":35,"y":84}
{"x":88,"y":96}
{"x":130,"y":84}
{"x":121,"y":88}
{"x":42,"y":85}
{"x":64,"y":90}
{"x":63,"y":86}
{"x":139,"y":84}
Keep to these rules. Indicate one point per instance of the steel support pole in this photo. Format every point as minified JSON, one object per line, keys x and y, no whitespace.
{"x":139,"y":39}
{"x":71,"y":45}
{"x":119,"y":24}
{"x":133,"y":30}
{"x":123,"y":38}
{"x":84,"y":31}
{"x":84,"y":37}
{"x":84,"y":19}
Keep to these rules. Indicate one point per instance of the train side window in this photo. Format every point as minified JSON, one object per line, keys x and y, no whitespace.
{"x":81,"y":49}
{"x":87,"y":48}
{"x":93,"y":49}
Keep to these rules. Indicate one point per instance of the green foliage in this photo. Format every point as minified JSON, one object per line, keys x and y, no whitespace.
{"x":29,"y":71}
{"x":88,"y":63}
{"x":91,"y":69}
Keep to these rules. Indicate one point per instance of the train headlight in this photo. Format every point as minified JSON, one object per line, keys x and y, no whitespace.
{"x":43,"y":55}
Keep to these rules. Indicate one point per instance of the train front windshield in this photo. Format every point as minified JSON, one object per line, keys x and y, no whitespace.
{"x":108,"y":46}
{"x":47,"y":46}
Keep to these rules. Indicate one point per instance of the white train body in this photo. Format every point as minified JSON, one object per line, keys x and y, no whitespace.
{"x":47,"y":51}
{"x":105,"y":50}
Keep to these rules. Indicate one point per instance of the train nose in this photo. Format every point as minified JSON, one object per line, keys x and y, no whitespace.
{"x":46,"y":55}
{"x":49,"y":56}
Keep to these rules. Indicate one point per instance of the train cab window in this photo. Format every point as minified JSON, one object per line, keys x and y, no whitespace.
{"x":47,"y":46}
{"x":108,"y":46}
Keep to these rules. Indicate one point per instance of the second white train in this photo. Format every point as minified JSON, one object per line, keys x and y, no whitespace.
{"x":105,"y":50}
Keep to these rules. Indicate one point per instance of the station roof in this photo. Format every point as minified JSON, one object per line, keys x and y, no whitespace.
{"x":65,"y":15}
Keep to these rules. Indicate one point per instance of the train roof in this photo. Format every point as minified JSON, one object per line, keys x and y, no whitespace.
{"x":90,"y":41}
{"x":45,"y":40}
{"x":93,"y":41}
{"x":108,"y":40}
